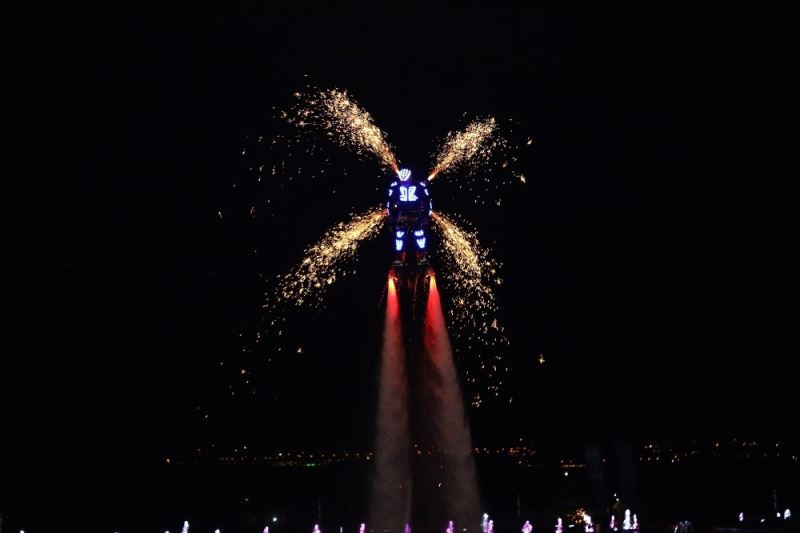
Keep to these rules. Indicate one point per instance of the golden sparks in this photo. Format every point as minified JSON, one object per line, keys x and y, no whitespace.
{"x":463,"y":147}
{"x":345,"y":123}
{"x":328,"y":260}
{"x":471,"y":275}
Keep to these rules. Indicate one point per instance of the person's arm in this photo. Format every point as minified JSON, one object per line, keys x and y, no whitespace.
{"x":391,"y":201}
{"x":427,"y":197}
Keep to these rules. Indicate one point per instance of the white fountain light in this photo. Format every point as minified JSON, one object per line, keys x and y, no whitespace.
{"x":787,"y":514}
{"x":741,"y":517}
{"x":185,"y":527}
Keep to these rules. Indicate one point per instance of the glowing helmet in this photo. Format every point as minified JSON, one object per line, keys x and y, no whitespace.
{"x":404,"y":174}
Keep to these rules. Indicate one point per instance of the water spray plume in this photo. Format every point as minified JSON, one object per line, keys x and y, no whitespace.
{"x":462,"y":147}
{"x":327,"y":260}
{"x":391,"y":489}
{"x":345,"y":122}
{"x":442,"y":402}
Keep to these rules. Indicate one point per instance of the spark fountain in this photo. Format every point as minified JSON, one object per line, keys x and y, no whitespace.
{"x":344,"y":122}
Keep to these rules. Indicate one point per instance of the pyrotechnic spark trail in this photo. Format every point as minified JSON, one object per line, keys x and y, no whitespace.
{"x":344,"y":122}
{"x":471,"y":274}
{"x":327,"y":260}
{"x":475,"y":143}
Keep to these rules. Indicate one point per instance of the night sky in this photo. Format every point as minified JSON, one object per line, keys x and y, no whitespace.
{"x":649,"y":257}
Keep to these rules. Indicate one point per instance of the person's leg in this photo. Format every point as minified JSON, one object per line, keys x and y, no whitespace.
{"x":399,"y":244}
{"x":421,"y":242}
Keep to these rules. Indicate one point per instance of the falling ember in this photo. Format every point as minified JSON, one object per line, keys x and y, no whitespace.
{"x":345,"y":123}
{"x":471,"y":274}
{"x":327,"y":260}
{"x":463,"y":147}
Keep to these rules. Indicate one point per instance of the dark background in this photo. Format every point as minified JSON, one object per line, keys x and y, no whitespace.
{"x":651,"y":257}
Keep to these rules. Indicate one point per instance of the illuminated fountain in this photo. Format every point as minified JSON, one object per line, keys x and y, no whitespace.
{"x":626,"y":522}
{"x":589,"y":527}
{"x":527,"y":527}
{"x":449,"y":527}
{"x":559,"y":525}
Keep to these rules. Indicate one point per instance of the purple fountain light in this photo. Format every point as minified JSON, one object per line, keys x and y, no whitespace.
{"x":626,"y":522}
{"x":449,"y":527}
{"x":559,"y":525}
{"x":527,"y":527}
